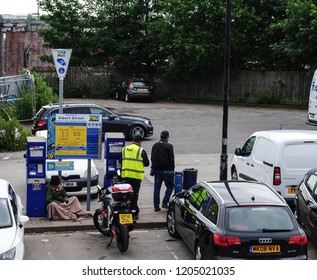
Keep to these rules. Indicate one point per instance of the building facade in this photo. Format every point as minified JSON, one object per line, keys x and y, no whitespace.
{"x":20,"y":46}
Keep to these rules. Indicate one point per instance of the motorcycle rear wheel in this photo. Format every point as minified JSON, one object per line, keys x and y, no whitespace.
{"x":122,"y":238}
{"x":101,"y":223}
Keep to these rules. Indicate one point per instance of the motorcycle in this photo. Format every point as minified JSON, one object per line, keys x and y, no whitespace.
{"x":114,"y":218}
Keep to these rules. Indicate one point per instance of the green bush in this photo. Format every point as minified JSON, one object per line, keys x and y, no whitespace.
{"x":29,"y":103}
{"x":76,"y":92}
{"x":12,"y":135}
{"x":268,"y":98}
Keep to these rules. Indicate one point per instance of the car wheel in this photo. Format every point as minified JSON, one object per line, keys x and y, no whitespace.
{"x":127,"y":98}
{"x":136,"y":130}
{"x":234,"y":174}
{"x":199,"y":255}
{"x":171,"y":224}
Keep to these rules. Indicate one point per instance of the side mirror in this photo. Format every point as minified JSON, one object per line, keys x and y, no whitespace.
{"x":23,"y":219}
{"x":237,"y":152}
{"x":112,"y":117}
{"x":313,"y":207}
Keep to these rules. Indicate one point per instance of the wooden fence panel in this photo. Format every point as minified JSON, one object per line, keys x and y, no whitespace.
{"x":246,"y":86}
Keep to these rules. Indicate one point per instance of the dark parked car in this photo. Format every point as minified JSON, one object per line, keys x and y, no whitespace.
{"x":236,"y":220}
{"x":132,"y":89}
{"x":306,"y":204}
{"x":111,"y":121}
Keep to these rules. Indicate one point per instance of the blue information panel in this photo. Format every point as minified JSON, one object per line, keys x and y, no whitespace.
{"x":59,"y":165}
{"x":74,"y":136}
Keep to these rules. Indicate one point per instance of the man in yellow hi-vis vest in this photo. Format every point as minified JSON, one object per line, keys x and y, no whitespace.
{"x":134,"y":159}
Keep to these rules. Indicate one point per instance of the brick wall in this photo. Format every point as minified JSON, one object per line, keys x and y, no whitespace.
{"x":21,"y":50}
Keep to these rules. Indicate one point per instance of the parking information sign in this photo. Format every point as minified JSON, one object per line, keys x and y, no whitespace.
{"x":74,"y":136}
{"x":61,"y":60}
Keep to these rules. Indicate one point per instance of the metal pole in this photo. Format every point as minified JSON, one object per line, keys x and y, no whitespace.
{"x":88,"y":184}
{"x":224,"y":154}
{"x":61,"y":84}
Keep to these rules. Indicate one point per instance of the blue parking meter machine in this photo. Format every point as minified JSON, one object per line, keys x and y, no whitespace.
{"x":114,"y":142}
{"x":35,"y":176}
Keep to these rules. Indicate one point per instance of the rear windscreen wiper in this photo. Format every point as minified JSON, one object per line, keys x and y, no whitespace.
{"x":275,"y":230}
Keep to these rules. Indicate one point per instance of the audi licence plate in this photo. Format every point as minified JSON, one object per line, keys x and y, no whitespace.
{"x":258,"y":249}
{"x":125,"y":219}
{"x":69,"y":184}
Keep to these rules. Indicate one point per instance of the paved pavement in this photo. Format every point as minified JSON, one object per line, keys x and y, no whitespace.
{"x":207,"y":169}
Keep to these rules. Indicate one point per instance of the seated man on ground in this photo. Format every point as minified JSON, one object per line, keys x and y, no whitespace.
{"x":61,"y":207}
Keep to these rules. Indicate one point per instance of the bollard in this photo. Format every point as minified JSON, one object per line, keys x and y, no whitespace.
{"x":190,"y":178}
{"x":178,"y":182}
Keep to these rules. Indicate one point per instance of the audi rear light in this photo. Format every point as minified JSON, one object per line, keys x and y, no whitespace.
{"x":300,"y":239}
{"x":277,"y":176}
{"x":41,"y":123}
{"x":226,"y":240}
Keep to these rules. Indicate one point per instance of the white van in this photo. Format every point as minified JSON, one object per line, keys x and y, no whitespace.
{"x":312,"y":103}
{"x":279,"y":158}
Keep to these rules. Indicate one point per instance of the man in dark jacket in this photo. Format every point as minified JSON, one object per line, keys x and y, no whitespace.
{"x":163,"y":166}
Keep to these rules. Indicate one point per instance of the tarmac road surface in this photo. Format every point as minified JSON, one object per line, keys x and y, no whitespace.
{"x":146,"y":244}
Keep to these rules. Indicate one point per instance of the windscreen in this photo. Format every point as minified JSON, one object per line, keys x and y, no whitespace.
{"x":259,"y":219}
{"x":5,"y":217}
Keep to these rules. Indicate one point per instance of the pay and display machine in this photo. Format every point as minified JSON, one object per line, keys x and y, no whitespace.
{"x":35,"y":176}
{"x":114,"y":142}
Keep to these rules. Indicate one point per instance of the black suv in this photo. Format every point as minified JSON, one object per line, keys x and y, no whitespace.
{"x":111,"y":121}
{"x":236,"y":220}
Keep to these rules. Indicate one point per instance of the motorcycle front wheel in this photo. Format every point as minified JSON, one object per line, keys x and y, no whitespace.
{"x":122,"y":238}
{"x":101,"y":223}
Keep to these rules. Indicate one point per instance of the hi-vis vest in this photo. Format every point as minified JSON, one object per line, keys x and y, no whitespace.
{"x":132,"y":162}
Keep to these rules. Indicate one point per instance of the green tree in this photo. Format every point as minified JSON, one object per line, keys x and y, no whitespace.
{"x":69,"y":29}
{"x":182,"y":38}
{"x":188,"y":37}
{"x":297,"y":49}
{"x":252,"y":33}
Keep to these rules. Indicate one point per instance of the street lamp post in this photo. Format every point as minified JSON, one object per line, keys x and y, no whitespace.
{"x":224,"y":154}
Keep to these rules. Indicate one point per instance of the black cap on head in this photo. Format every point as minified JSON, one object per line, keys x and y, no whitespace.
{"x":55,"y":180}
{"x":137,"y":138}
{"x":164,"y":134}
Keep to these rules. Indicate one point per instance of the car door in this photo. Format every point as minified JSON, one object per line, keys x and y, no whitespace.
{"x":243,"y":160}
{"x":307,"y":195}
{"x":312,"y":217}
{"x":16,"y":206}
{"x":196,"y":199}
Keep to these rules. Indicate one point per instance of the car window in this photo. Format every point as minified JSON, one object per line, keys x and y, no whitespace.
{"x":196,"y":196}
{"x":5,"y":218}
{"x":248,"y":146}
{"x":259,"y":219}
{"x":212,"y":211}
{"x":40,"y":113}
{"x":76,"y":110}
{"x":51,"y":113}
{"x":104,"y":113}
{"x":141,"y":84}
{"x":311,"y":183}
{"x":13,"y":201}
